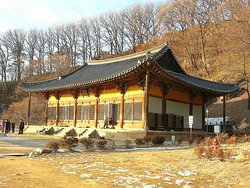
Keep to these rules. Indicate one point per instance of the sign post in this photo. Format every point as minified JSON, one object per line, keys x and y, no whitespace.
{"x":191,"y":122}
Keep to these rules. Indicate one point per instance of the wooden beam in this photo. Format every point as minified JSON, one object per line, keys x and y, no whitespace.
{"x":96,"y":111}
{"x":164,"y":91}
{"x":146,"y":101}
{"x":121,"y":111}
{"x":75,"y":96}
{"x":224,"y":113}
{"x":28,"y":116}
{"x":46,"y":108}
{"x":96,"y":91}
{"x":122,"y":88}
{"x":57,"y":96}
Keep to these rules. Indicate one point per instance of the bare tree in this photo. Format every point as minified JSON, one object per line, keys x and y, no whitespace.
{"x":15,"y":40}
{"x":31,"y":41}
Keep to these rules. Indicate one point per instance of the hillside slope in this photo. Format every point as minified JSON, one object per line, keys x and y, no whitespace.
{"x":236,"y":108}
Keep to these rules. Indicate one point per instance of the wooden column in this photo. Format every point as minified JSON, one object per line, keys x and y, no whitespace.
{"x":224,"y":113}
{"x":96,"y":92}
{"x":191,"y":98}
{"x":121,"y":87}
{"x":57,"y":96}
{"x":164,"y":92}
{"x":96,"y":112}
{"x":146,"y":100}
{"x":203,"y":116}
{"x":28,"y":114}
{"x":143,"y":110}
{"x":75,"y":96}
{"x":121,"y":111}
{"x":46,"y":108}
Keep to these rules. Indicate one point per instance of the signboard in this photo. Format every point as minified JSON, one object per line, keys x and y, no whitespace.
{"x":217,"y":129}
{"x":191,"y":121}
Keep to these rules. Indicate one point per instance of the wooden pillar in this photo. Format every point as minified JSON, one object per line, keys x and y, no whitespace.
{"x":46,"y":108}
{"x":203,"y":116}
{"x":28,"y":115}
{"x":96,"y":112}
{"x":164,"y":91}
{"x":96,"y":92}
{"x":57,"y":96}
{"x":75,"y":96}
{"x":143,"y":110}
{"x":146,"y":101}
{"x":121,"y":87}
{"x":121,"y":111}
{"x":224,"y":113}
{"x":190,"y":107}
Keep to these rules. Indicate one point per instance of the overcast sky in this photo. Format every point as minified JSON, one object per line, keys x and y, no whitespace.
{"x":29,"y":14}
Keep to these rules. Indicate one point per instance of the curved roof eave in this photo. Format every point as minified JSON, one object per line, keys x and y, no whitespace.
{"x":209,"y":86}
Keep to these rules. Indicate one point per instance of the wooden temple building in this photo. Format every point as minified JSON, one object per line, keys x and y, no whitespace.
{"x":143,"y":91}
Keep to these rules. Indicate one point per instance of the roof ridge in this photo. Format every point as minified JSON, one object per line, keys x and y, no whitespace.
{"x":125,"y":57}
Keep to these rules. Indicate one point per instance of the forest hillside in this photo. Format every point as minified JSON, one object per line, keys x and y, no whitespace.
{"x":209,"y":38}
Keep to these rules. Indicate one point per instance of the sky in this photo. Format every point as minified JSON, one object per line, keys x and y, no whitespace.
{"x":41,"y":14}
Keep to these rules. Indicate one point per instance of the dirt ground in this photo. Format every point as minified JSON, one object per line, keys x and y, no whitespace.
{"x":140,"y":168}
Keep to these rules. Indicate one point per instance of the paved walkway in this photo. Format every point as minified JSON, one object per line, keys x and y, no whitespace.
{"x":23,"y":144}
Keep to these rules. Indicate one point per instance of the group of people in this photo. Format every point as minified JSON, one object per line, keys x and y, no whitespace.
{"x":8,"y":126}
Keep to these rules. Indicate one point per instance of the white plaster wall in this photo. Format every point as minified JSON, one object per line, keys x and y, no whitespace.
{"x":197,"y":112}
{"x":155,"y":105}
{"x":177,"y":108}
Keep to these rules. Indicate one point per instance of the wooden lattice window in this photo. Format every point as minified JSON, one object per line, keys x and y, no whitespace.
{"x":71,"y":112}
{"x":128,"y":111}
{"x":91,"y":112}
{"x":101,"y":112}
{"x":51,"y":113}
{"x":85,"y":112}
{"x":61,"y":113}
{"x":79,"y":112}
{"x":137,"y":110}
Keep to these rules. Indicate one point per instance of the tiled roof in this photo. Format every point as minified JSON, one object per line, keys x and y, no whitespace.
{"x":106,"y":70}
{"x":203,"y":84}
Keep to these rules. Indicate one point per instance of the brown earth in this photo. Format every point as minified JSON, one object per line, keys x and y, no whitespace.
{"x":236,"y":108}
{"x":157,"y":168}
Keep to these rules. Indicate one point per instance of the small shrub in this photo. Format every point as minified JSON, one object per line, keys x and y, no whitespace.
{"x":157,"y":140}
{"x":208,"y":152}
{"x":244,"y":138}
{"x":87,"y":142}
{"x":197,"y":140}
{"x":102,"y":144}
{"x":179,"y":140}
{"x":128,"y":144}
{"x":225,"y":136}
{"x":190,"y":141}
{"x":68,"y":143}
{"x":208,"y":141}
{"x":139,"y":141}
{"x":219,"y":153}
{"x":219,"y":138}
{"x":54,"y":146}
{"x":199,"y":151}
{"x":232,"y":140}
{"x":147,"y":139}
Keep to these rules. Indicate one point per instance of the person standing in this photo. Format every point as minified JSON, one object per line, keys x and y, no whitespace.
{"x":21,"y":127}
{"x":7,"y":126}
{"x":3,"y":126}
{"x":13,"y":124}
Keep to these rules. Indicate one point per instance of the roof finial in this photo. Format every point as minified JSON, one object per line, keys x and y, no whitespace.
{"x":148,"y":54}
